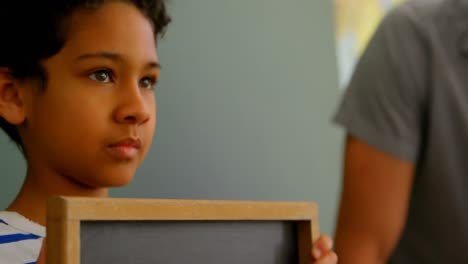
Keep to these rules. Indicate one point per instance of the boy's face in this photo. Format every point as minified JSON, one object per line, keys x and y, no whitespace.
{"x":94,"y":122}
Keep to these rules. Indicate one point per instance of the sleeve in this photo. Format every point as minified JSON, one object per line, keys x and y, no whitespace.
{"x":385,"y":101}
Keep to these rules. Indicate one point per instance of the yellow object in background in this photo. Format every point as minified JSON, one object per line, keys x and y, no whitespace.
{"x":356,"y":21}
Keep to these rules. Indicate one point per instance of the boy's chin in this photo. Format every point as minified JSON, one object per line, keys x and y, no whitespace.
{"x":117,"y":180}
{"x":110,"y":180}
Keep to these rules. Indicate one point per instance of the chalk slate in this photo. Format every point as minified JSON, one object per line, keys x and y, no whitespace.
{"x":83,"y":230}
{"x":183,"y":242}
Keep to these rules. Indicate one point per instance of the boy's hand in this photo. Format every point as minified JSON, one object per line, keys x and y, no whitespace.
{"x":322,"y":252}
{"x":41,"y":259}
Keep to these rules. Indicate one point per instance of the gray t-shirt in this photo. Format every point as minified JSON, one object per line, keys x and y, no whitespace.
{"x":409,"y":98}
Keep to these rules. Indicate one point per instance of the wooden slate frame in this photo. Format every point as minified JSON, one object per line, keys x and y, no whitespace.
{"x":64,"y":216}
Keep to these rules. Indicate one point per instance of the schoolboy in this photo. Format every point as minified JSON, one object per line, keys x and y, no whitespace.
{"x":76,"y":96}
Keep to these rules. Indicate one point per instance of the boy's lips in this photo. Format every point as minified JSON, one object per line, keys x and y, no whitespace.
{"x":125,"y":149}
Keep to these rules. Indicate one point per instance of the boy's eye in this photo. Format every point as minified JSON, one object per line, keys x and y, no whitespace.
{"x":103,"y":76}
{"x":148,"y":83}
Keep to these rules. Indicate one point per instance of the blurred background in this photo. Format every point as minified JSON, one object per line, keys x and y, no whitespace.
{"x":247,"y":92}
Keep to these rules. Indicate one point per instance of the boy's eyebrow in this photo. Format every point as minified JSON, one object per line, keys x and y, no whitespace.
{"x":114,"y":57}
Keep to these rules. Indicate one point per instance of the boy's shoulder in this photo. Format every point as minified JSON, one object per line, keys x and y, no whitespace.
{"x":20,"y":239}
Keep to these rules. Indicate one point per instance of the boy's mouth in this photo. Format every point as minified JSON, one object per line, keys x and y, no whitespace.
{"x":125,"y":149}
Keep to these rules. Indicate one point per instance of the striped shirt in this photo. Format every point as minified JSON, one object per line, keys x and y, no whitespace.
{"x":20,"y":239}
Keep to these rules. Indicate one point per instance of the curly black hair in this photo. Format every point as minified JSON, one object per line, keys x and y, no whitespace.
{"x":36,"y":31}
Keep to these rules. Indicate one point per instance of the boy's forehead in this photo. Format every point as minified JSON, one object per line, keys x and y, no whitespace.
{"x":114,"y":28}
{"x":115,"y":57}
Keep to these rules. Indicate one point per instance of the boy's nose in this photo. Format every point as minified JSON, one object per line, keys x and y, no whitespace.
{"x":133,"y":109}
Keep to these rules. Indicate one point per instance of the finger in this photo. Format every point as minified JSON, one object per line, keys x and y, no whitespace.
{"x":326,"y":244}
{"x":330,"y":258}
{"x":316,"y":253}
{"x":323,"y":245}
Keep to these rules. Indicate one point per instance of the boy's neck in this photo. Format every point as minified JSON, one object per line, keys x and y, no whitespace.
{"x":31,"y":202}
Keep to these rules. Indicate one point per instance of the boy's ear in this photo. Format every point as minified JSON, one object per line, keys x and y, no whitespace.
{"x":11,"y":101}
